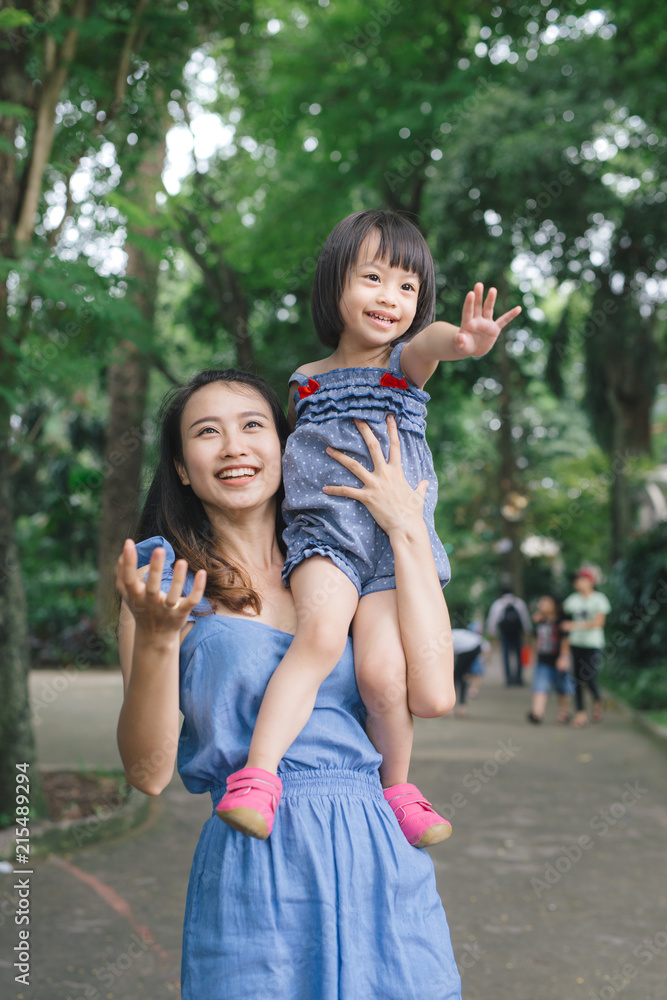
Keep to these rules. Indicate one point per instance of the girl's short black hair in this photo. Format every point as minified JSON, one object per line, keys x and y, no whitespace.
{"x":401,"y":245}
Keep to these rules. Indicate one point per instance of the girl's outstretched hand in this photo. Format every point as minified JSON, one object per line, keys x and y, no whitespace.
{"x":385,"y":491}
{"x":479,"y":330}
{"x":154,"y":610}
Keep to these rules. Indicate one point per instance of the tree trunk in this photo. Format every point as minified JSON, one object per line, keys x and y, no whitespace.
{"x":17,"y":744}
{"x":56,"y":68}
{"x":622,"y":372}
{"x":512,"y":560}
{"x":237,"y":312}
{"x":127,"y":387}
{"x":631,"y":438}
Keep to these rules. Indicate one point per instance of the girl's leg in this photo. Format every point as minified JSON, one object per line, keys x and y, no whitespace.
{"x":381,"y":672}
{"x":380,"y":668}
{"x":325,"y":601}
{"x":564,"y":687}
{"x":543,"y":678}
{"x":538,"y":706}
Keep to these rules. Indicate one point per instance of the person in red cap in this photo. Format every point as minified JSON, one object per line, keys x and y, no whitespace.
{"x":586,"y":610}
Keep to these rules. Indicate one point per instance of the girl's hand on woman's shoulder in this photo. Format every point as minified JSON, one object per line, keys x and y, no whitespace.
{"x":385,"y":491}
{"x":154,"y":610}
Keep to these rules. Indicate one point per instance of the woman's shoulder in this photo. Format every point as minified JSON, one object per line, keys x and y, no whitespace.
{"x":147,"y":546}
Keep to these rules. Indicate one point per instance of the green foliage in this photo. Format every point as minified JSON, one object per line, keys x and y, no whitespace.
{"x":346,"y":107}
{"x":11,"y":18}
{"x":636,"y":664}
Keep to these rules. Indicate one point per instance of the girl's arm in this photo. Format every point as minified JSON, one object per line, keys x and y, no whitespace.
{"x":291,"y":405}
{"x":149,"y":637}
{"x":422,"y":610}
{"x":443,"y":342}
{"x":564,"y":660}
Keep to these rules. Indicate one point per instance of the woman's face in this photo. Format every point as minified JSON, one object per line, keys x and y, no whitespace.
{"x":584,"y":585}
{"x":231,"y":449}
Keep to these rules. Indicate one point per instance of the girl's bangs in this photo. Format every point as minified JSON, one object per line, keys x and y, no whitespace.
{"x":403,"y":247}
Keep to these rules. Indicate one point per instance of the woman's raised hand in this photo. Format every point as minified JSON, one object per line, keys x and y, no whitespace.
{"x":385,"y":491}
{"x":154,"y":610}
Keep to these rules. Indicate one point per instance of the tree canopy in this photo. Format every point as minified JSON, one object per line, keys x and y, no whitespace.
{"x":168,"y":175}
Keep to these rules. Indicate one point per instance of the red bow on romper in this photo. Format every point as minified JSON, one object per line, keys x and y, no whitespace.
{"x":390,"y":381}
{"x":308,"y":390}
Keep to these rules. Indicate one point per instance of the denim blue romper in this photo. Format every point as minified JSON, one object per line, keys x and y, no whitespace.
{"x":340,"y":527}
{"x":335,"y":905}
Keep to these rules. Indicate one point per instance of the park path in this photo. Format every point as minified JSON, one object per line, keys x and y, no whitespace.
{"x":554,"y":880}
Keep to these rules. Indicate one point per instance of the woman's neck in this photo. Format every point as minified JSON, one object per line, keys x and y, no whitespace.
{"x":247,"y":538}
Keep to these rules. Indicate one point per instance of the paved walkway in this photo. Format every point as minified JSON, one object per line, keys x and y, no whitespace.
{"x":554,"y":881}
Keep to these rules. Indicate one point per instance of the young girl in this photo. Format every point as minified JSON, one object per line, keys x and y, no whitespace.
{"x":552,"y":666}
{"x":373,"y":302}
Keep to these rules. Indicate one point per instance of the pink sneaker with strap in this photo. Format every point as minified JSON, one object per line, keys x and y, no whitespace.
{"x":416,"y":816}
{"x":250,"y":801}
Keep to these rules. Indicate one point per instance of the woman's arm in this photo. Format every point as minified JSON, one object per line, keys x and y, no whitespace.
{"x":149,"y":638}
{"x":422,"y":609}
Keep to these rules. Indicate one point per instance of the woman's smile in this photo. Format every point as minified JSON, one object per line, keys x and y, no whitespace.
{"x":237,"y":475}
{"x":231,"y":450}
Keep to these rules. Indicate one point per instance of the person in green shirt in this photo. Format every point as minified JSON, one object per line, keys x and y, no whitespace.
{"x":586,"y":610}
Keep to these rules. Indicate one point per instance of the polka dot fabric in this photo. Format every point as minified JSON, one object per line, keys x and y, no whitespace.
{"x":337,"y":527}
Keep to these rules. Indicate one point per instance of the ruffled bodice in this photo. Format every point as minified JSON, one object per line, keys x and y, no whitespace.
{"x":366,"y":393}
{"x":225,"y":665}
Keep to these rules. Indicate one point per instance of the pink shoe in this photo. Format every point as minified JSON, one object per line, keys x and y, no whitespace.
{"x":416,"y":817}
{"x":250,"y":801}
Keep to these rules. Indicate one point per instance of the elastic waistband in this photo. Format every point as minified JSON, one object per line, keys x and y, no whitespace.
{"x":323,"y":781}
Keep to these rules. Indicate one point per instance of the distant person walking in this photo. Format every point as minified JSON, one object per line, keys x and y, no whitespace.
{"x":509,"y":619}
{"x":552,"y":667}
{"x":587,"y":610}
{"x":476,"y":668}
{"x":467,"y":647}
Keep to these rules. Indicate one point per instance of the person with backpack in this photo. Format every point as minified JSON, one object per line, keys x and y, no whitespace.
{"x":509,"y":619}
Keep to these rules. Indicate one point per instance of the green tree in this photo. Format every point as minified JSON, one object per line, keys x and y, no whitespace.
{"x":82,"y":95}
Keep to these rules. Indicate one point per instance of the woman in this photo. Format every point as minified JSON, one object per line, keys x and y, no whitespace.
{"x":587,"y":610}
{"x":336,"y":904}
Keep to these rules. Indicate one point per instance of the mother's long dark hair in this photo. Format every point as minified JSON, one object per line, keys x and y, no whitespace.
{"x":175,"y":512}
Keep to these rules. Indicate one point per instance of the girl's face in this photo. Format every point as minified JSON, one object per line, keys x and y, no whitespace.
{"x":379,"y":302}
{"x":547,"y":607}
{"x":231,"y":449}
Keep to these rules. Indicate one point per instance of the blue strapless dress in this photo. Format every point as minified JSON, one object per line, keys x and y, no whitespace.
{"x":335,"y":905}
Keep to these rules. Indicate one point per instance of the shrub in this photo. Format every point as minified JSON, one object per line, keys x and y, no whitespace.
{"x":637,"y":665}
